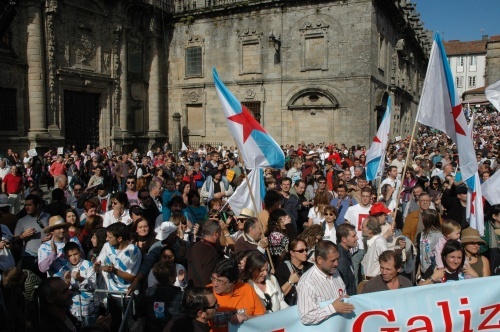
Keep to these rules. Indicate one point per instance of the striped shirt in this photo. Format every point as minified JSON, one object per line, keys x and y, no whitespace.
{"x":315,"y":287}
{"x":85,"y":299}
{"x":54,"y":263}
{"x":128,"y":260}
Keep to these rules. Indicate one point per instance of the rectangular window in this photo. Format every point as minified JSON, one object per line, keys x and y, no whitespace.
{"x":460,"y":64}
{"x":460,"y":81}
{"x":193,"y":61}
{"x":9,"y":109}
{"x":381,"y":52}
{"x":472,"y":81}
{"x":135,"y":58}
{"x":473,"y":63}
{"x":254,"y":108}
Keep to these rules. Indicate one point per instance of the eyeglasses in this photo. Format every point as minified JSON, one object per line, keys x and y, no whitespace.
{"x":300,"y":251}
{"x":130,"y":182}
{"x":219,"y":281}
{"x":322,"y":182}
{"x":214,"y":306}
{"x":329,"y":214}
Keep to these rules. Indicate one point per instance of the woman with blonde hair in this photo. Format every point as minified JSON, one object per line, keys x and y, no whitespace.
{"x":311,"y":236}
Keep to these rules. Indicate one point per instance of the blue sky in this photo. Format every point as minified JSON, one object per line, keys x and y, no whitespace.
{"x":460,"y":19}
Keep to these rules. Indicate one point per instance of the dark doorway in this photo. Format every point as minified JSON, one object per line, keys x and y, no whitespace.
{"x":81,"y":118}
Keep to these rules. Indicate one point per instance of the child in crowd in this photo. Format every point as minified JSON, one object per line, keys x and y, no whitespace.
{"x":451,"y":231}
{"x":80,"y":274}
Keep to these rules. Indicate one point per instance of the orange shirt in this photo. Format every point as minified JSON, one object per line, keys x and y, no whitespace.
{"x":242,"y":297}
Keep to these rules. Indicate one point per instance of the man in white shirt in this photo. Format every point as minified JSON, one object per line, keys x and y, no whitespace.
{"x":321,"y":283}
{"x":392,"y":179}
{"x":376,"y":244}
{"x":399,"y":163}
{"x":355,"y":215}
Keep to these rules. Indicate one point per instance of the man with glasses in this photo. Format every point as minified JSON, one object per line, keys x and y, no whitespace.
{"x":200,"y":306}
{"x":237,"y":300}
{"x":413,"y":222}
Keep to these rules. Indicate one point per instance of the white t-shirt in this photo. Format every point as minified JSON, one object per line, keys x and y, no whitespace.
{"x":355,"y":215}
{"x":109,"y":218}
{"x":316,"y":216}
{"x":330,"y":233}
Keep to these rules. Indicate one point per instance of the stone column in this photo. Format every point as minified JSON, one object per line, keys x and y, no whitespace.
{"x":36,"y":71}
{"x":176,"y":130}
{"x":154,"y":91}
{"x":124,"y":84}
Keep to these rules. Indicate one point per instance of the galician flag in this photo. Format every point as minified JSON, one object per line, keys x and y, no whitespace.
{"x":440,"y":108}
{"x":241,"y":198}
{"x":492,"y":92}
{"x":375,"y":157}
{"x":474,"y":210}
{"x":257,"y":148}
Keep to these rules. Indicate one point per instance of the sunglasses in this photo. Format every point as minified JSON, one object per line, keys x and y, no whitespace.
{"x":329,"y":214}
{"x":267,"y":300}
{"x":300,"y":251}
{"x":130,"y":182}
{"x":321,"y":182}
{"x":214,"y":306}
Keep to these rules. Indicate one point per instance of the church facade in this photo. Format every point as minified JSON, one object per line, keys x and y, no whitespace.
{"x":137,"y":72}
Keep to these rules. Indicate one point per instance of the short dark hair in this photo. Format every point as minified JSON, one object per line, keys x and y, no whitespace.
{"x":191,"y":194}
{"x":389,"y":255}
{"x":165,"y":273}
{"x":119,"y":229}
{"x":323,"y":248}
{"x":70,"y":246}
{"x":343,"y":231}
{"x":286,"y":179}
{"x":36,"y":199}
{"x":227,"y":268}
{"x":272,"y":198}
{"x":121,"y":197}
{"x":390,"y":168}
{"x":249,"y":223}
{"x":195,"y":300}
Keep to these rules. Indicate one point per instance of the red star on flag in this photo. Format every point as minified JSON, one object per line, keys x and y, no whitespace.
{"x":247,"y":121}
{"x":456,"y":112}
{"x":472,"y":202}
{"x":376,"y":140}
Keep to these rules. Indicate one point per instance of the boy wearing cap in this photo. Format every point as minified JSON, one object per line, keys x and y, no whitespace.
{"x":51,"y":258}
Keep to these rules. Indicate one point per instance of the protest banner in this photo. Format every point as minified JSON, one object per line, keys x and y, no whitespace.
{"x":32,"y":153}
{"x":469,"y":305}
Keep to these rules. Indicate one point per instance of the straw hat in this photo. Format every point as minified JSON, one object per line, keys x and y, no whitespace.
{"x":471,"y":235}
{"x":55,"y":222}
{"x":246,"y":213}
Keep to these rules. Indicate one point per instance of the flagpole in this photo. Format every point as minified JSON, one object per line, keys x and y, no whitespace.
{"x":258,"y":216}
{"x":252,"y":198}
{"x":398,"y":200}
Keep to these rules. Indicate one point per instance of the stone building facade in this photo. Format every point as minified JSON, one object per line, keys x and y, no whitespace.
{"x":77,"y":72}
{"x":135,"y":72}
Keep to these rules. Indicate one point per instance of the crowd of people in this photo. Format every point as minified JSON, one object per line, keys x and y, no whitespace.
{"x":158,"y":223}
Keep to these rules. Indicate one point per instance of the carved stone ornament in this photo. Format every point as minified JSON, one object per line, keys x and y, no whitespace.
{"x":193,"y":96}
{"x":249,"y":94}
{"x":84,"y":46}
{"x":136,"y":91}
{"x":6,"y":76}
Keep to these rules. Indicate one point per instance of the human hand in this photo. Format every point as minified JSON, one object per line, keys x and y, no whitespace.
{"x":294,"y":277}
{"x":53,"y":246}
{"x":238,"y":318}
{"x":109,"y":269}
{"x":27,"y":233}
{"x":438,"y":274}
{"x":97,"y":266}
{"x":2,"y":244}
{"x":196,"y":228}
{"x":470,"y":271}
{"x":263,"y":243}
{"x":342,"y":307}
{"x":67,"y":277}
